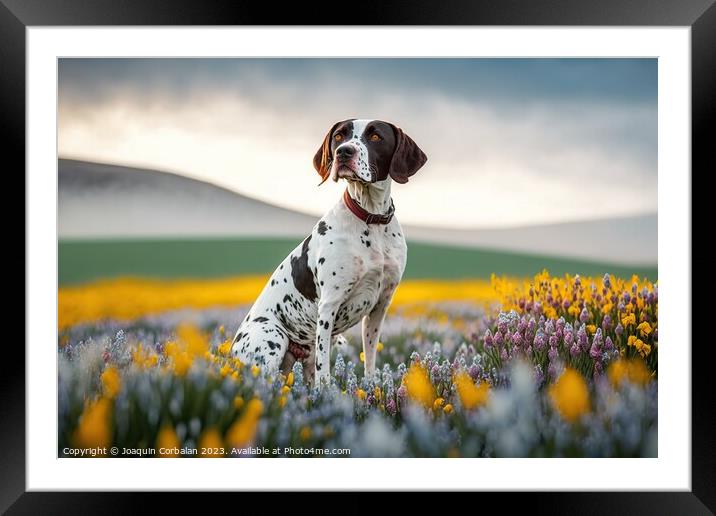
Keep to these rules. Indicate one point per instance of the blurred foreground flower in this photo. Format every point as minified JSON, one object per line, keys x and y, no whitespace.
{"x":93,"y":430}
{"x":570,"y":396}
{"x":471,"y":396}
{"x":418,"y":385}
{"x":633,"y":370}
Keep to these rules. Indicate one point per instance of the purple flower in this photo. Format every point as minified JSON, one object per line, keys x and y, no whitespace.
{"x":522,"y":324}
{"x":568,"y":337}
{"x":532,"y":324}
{"x":498,"y":339}
{"x":474,"y":371}
{"x":539,"y":341}
{"x":626,"y":297}
{"x":502,"y":324}
{"x":517,"y":339}
{"x":607,"y":280}
{"x":575,"y":349}
{"x":577,"y":281}
{"x":553,"y":341}
{"x":402,"y":395}
{"x":608,"y":344}
{"x":607,"y":323}
{"x":582,"y":339}
{"x":549,"y":327}
{"x":619,"y":330}
{"x":552,"y":354}
{"x":566,"y":303}
{"x":528,"y":351}
{"x":391,"y":407}
{"x":504,"y":356}
{"x":538,"y":375}
{"x":650,"y":298}
{"x":584,"y":316}
{"x":552,"y":371}
{"x":594,"y":351}
{"x":634,"y":286}
{"x":435,"y":373}
{"x":488,"y":339}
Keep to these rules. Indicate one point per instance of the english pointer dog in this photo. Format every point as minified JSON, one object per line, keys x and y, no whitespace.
{"x":348,"y":268}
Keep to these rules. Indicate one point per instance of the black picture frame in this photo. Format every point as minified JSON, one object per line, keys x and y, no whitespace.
{"x":17,"y":15}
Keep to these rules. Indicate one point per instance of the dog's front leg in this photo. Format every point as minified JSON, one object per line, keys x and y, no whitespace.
{"x":324,"y":331}
{"x":371,"y":325}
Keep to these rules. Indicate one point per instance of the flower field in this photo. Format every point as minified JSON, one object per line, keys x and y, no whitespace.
{"x":538,"y":367}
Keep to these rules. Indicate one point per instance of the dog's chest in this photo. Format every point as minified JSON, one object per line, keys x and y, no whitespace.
{"x":376,"y":261}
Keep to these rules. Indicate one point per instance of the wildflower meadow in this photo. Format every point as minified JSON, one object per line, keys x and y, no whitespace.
{"x":537,"y":367}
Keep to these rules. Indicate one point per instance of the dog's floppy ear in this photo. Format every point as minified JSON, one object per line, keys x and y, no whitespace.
{"x":322,"y":160}
{"x":407,"y":158}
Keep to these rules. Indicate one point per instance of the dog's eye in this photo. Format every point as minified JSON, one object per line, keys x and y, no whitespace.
{"x":375,"y":137}
{"x":338,"y":137}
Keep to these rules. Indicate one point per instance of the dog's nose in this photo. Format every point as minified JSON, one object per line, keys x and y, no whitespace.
{"x":345,"y":152}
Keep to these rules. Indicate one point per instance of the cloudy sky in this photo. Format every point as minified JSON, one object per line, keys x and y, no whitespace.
{"x":509,"y":141}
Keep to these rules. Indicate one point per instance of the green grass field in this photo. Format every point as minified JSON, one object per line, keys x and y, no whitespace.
{"x":82,"y":261}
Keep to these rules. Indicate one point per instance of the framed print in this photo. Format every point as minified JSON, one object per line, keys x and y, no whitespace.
{"x":431,"y":258}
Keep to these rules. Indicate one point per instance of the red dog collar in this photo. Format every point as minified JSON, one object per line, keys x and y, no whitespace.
{"x":366,"y":216}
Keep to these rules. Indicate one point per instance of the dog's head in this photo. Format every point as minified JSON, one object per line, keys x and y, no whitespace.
{"x":368,"y":151}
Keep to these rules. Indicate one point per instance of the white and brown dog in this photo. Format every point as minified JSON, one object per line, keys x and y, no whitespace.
{"x":348,"y":268}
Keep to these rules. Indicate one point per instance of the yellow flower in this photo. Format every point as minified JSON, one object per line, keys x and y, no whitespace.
{"x":235,"y":375}
{"x":282,"y":401}
{"x":361,"y":393}
{"x":225,"y":369}
{"x":380,"y":347}
{"x":607,"y":308}
{"x":169,"y":441}
{"x":143,"y":358}
{"x":419,"y":387}
{"x":289,"y":379}
{"x":570,"y":396}
{"x":255,"y":370}
{"x":643,"y":348}
{"x":111,"y":382}
{"x":305,"y":433}
{"x":238,"y":402}
{"x":93,"y":430}
{"x":222,"y":330}
{"x":237,"y":363}
{"x":471,"y":396}
{"x":629,"y":319}
{"x":448,"y":409}
{"x":631,"y":340}
{"x":438,"y":403}
{"x":592,"y":328}
{"x":574,"y":310}
{"x":243,"y":431}
{"x":210,"y":443}
{"x":645,"y":329}
{"x":635,"y":371}
{"x":377,"y":393}
{"x":193,"y":341}
{"x":362,"y":356}
{"x":550,"y":312}
{"x":285,"y":389}
{"x":225,"y":347}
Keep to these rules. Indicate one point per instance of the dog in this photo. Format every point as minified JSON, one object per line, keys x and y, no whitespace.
{"x":347,"y":270}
